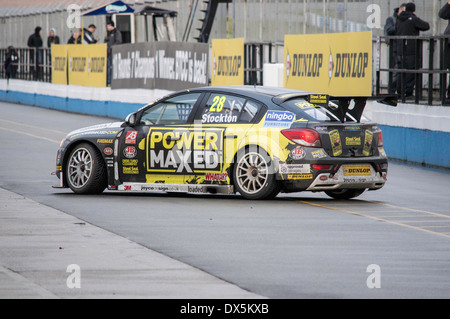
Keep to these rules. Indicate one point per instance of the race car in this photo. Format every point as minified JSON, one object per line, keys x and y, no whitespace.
{"x":256,"y":141}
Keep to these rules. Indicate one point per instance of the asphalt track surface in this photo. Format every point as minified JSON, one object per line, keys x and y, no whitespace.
{"x":304,"y":245}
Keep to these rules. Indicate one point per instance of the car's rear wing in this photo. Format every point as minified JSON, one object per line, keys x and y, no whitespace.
{"x":344,"y":106}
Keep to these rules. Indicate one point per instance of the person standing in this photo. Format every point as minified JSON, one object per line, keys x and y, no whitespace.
{"x":89,"y":35}
{"x":113,"y":37}
{"x":444,"y":13}
{"x":35,"y":43}
{"x":11,"y":60}
{"x":75,"y":37}
{"x":52,"y":38}
{"x":390,"y":30}
{"x":408,"y":24}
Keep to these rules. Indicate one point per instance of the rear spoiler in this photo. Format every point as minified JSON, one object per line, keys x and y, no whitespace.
{"x":343,"y":103}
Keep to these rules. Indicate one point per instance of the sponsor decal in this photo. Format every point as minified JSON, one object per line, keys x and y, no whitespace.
{"x":105,"y":140}
{"x":318,"y":99}
{"x":131,"y":136}
{"x":195,"y":189}
{"x":352,"y":128}
{"x":318,"y":154}
{"x":353,"y":141}
{"x":129,"y":152}
{"x":295,"y":168}
{"x":127,"y":188}
{"x":278,"y":119}
{"x":357,"y":170}
{"x":368,"y":138}
{"x":216,"y":177}
{"x":108,"y":151}
{"x":162,"y":188}
{"x":300,"y":176}
{"x":185,"y":150}
{"x":335,"y":139}
{"x":130,"y":170}
{"x":297,"y":153}
{"x":129,"y":162}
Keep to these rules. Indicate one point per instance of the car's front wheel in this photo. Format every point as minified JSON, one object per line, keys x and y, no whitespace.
{"x":85,"y":170}
{"x":345,"y":193}
{"x":253,"y":177}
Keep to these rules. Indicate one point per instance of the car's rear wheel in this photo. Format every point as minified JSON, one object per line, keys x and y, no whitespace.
{"x":253,"y":177}
{"x":345,"y":193}
{"x":85,"y":170}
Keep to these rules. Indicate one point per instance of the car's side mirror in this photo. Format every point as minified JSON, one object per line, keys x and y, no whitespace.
{"x":131,"y":119}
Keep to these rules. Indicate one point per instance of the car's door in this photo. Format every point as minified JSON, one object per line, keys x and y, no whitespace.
{"x":223,"y":120}
{"x":151,"y":151}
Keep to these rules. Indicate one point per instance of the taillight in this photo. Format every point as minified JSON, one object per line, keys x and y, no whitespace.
{"x":303,"y":136}
{"x":321,"y":166}
{"x":380,"y":138}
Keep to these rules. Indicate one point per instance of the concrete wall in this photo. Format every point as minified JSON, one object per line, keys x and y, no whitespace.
{"x":413,"y":133}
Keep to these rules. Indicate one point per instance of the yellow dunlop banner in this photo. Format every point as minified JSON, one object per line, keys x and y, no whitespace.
{"x":97,"y":65}
{"x":87,"y":64}
{"x":227,"y":62}
{"x":338,"y":64}
{"x":59,"y":63}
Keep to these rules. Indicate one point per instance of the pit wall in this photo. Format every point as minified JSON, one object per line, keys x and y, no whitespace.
{"x":412,"y":133}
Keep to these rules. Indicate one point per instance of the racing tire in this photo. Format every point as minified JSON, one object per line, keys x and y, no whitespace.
{"x":345,"y":193}
{"x":253,"y":175}
{"x":86,"y":170}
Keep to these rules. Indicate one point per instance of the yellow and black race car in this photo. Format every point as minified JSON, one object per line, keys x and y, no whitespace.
{"x":257,"y":141}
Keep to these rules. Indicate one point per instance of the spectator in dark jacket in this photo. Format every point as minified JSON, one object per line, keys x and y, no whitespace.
{"x":89,"y":35}
{"x":35,"y":42}
{"x":52,"y":38}
{"x":389,"y":30}
{"x":75,"y":38}
{"x":408,"y":24}
{"x":11,"y":61}
{"x":444,"y":13}
{"x":113,"y":37}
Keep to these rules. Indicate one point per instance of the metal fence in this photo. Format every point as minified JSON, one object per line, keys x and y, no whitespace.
{"x":33,"y":64}
{"x":425,"y":67}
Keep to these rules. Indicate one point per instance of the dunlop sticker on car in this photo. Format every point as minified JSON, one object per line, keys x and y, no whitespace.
{"x":185,"y":150}
{"x":356,"y":170}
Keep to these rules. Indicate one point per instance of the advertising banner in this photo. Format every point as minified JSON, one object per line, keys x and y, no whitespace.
{"x":87,"y":64}
{"x":59,"y":63}
{"x":338,"y":64}
{"x":161,"y":65}
{"x":97,"y":65}
{"x":227,"y":62}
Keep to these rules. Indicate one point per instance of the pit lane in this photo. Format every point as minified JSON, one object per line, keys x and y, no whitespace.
{"x":301,"y":245}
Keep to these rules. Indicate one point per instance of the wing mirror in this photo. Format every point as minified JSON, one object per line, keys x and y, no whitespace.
{"x":131,"y":119}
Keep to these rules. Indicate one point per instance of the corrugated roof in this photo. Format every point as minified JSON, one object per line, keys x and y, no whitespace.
{"x":9,"y":8}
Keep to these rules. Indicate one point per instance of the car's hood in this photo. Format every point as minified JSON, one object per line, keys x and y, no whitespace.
{"x":106,"y":129}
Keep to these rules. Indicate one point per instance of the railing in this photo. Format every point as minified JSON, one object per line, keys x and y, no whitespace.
{"x":33,"y":64}
{"x":427,"y":59}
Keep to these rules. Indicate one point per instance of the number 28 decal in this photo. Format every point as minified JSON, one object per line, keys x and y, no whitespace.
{"x":217,"y":105}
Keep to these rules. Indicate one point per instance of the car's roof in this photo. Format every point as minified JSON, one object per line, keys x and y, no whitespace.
{"x":276,"y":95}
{"x":257,"y":92}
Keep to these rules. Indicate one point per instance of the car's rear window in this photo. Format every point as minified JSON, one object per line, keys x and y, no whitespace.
{"x":306,"y":111}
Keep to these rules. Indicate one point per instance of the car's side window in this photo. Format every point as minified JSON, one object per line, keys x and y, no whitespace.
{"x":226,"y":109}
{"x":249,"y":112}
{"x":175,"y":110}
